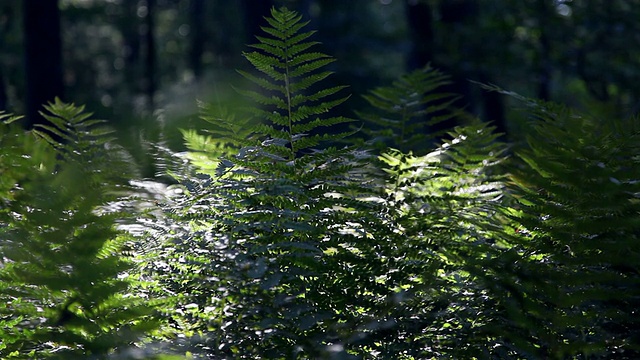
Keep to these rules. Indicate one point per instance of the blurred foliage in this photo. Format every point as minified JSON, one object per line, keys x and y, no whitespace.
{"x":579,"y":52}
{"x":578,"y":193}
{"x":66,"y":289}
{"x":402,"y":114}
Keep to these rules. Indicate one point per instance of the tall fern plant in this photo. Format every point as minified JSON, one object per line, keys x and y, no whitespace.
{"x":293,"y":248}
{"x":64,"y":281}
{"x":306,"y":263}
{"x":295,"y":104}
{"x":569,"y":287}
{"x":403,"y":115}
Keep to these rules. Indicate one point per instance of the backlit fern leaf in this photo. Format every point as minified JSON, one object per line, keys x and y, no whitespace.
{"x":226,"y":128}
{"x":78,"y":138}
{"x":74,"y":126}
{"x":404,"y":111}
{"x":577,"y":275}
{"x":294,"y":106}
{"x":63,"y":275}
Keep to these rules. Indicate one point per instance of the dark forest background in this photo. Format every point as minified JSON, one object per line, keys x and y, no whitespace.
{"x":125,"y":60}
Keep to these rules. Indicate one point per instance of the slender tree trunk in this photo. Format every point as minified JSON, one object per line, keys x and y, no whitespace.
{"x":197,"y":37}
{"x":420,"y":22}
{"x":7,"y":15}
{"x":150,"y":58}
{"x":493,"y":108}
{"x":43,"y":56}
{"x":130,"y":28}
{"x":545,"y":11}
{"x":3,"y":92}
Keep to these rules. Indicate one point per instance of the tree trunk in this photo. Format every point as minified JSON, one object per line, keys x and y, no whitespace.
{"x":3,"y":93}
{"x":545,"y":11}
{"x":420,"y":22}
{"x":43,"y":56}
{"x":197,"y":37}
{"x":130,"y":28}
{"x":150,"y":58}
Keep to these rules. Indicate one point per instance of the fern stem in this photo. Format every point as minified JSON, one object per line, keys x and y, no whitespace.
{"x":292,"y":155}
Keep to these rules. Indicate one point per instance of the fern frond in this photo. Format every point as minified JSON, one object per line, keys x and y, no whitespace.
{"x":88,"y":142}
{"x":291,"y":105}
{"x":577,"y":186}
{"x":404,"y":111}
{"x":64,"y":272}
{"x":73,"y":125}
{"x":7,"y":118}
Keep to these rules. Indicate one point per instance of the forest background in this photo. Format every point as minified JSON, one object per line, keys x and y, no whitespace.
{"x":127,"y":59}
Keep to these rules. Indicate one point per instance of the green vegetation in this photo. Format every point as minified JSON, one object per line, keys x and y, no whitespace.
{"x":295,"y":233}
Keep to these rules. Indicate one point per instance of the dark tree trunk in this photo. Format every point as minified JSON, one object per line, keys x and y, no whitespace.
{"x":422,"y":25}
{"x":420,"y":22}
{"x":254,"y":13}
{"x":197,"y":37}
{"x":150,"y":58}
{"x":6,"y":14}
{"x":43,"y":56}
{"x":545,"y":11}
{"x":3,"y":92}
{"x":493,"y":108}
{"x":132,"y":45}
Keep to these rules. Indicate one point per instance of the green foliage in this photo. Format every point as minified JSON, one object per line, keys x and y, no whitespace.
{"x":86,"y":142}
{"x":21,"y":155}
{"x":445,"y":203}
{"x":278,"y":244}
{"x":577,"y":235}
{"x":65,"y":284}
{"x":259,"y":251}
{"x":294,"y":248}
{"x":405,"y":110}
{"x":294,"y":104}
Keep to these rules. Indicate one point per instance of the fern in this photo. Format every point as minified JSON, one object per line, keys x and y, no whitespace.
{"x":293,"y":249}
{"x":233,"y":131}
{"x":64,"y":287}
{"x":20,"y":156}
{"x":573,"y":272}
{"x":286,"y":218}
{"x":292,"y":103}
{"x":445,"y":204}
{"x":74,"y":126}
{"x":403,"y":113}
{"x":78,"y":138}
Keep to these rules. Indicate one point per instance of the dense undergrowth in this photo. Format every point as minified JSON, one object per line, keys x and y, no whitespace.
{"x":295,"y":234}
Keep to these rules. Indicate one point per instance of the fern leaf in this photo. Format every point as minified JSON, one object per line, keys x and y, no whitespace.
{"x":404,"y":110}
{"x":291,"y":70}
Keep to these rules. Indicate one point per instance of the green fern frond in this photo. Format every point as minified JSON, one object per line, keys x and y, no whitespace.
{"x":88,"y":142}
{"x":64,"y":259}
{"x":21,"y":154}
{"x":7,"y":118}
{"x":293,"y":103}
{"x":204,"y":152}
{"x":63,"y":271}
{"x":225,"y":126}
{"x":404,"y":111}
{"x":577,"y":187}
{"x":73,"y":125}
